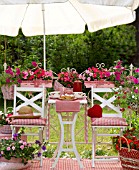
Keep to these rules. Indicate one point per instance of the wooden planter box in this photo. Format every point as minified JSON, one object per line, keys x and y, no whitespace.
{"x":99,"y":84}
{"x":37,"y":83}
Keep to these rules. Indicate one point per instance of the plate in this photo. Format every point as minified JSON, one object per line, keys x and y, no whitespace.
{"x":68,"y":99}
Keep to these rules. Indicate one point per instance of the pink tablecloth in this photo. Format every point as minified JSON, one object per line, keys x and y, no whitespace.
{"x":67,"y":106}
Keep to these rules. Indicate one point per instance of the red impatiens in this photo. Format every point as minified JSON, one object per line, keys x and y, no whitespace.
{"x":67,"y":78}
{"x":130,"y":137}
{"x":93,"y":73}
{"x":37,"y":73}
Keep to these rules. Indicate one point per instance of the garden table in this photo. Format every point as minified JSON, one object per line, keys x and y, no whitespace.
{"x":67,"y":122}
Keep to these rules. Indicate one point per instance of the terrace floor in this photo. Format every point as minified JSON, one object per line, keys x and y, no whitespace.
{"x":71,"y":164}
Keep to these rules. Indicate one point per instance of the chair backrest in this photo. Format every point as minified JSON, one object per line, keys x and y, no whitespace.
{"x":96,"y":95}
{"x":29,"y":96}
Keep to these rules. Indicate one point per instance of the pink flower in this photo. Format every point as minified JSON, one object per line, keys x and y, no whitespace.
{"x":17,"y":71}
{"x":7,"y":80}
{"x":25,"y":74}
{"x":13,"y":148}
{"x":34,"y":64}
{"x":9,"y":71}
{"x":135,"y":81}
{"x":136,"y":91}
{"x":137,"y":70}
{"x":8,"y":149}
{"x":22,"y":147}
{"x":88,"y":79}
{"x":20,"y":141}
{"x":25,"y":143}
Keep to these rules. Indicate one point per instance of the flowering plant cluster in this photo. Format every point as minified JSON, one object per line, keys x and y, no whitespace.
{"x":127,"y":95}
{"x":16,"y":75}
{"x":93,"y":73}
{"x":37,"y":73}
{"x":11,"y":76}
{"x":131,"y":137}
{"x":5,"y":118}
{"x":18,"y":148}
{"x":67,"y":78}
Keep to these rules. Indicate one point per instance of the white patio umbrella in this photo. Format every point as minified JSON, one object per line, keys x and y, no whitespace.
{"x":133,"y":4}
{"x":37,"y":17}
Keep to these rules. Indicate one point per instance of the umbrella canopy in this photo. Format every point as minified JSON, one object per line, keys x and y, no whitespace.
{"x":133,"y":4}
{"x":60,"y":18}
{"x":44,"y":17}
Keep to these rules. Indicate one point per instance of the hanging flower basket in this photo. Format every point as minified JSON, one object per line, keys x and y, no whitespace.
{"x":99,"y":84}
{"x":8,"y":92}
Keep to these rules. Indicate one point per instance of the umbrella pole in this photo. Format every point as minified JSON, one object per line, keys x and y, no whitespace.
{"x":44,"y":40}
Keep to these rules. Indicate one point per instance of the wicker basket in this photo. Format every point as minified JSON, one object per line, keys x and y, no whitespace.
{"x":129,"y":158}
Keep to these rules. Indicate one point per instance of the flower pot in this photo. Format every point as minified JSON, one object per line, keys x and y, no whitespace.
{"x":129,"y":159}
{"x":13,"y":163}
{"x":8,"y":92}
{"x":6,"y":129}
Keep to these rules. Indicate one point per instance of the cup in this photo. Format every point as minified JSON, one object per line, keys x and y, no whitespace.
{"x":79,"y":94}
{"x":54,"y":94}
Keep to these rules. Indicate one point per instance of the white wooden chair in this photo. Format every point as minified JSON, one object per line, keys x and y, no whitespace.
{"x":35,"y":99}
{"x":113,"y":120}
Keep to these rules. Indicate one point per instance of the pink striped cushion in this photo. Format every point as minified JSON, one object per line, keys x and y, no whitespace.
{"x":39,"y":121}
{"x":108,"y":121}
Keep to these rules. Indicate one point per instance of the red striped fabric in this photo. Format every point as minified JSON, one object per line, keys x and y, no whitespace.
{"x":40,"y":121}
{"x":108,"y":121}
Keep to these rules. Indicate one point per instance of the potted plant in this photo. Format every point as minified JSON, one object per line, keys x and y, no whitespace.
{"x":17,"y":150}
{"x":67,"y":77}
{"x":96,"y":77}
{"x":5,"y":122}
{"x":128,"y":148}
{"x":8,"y":78}
{"x":34,"y":76}
{"x":37,"y":76}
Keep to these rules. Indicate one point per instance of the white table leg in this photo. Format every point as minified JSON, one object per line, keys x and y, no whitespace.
{"x":60,"y":149}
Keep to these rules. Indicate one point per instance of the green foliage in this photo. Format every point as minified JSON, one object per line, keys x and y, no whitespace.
{"x":78,"y":51}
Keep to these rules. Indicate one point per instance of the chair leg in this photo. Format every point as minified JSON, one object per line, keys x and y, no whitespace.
{"x":13,"y":130}
{"x":41,"y":140}
{"x":93,"y":146}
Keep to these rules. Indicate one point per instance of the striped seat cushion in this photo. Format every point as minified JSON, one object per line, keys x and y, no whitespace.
{"x":108,"y":121}
{"x":40,"y":121}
